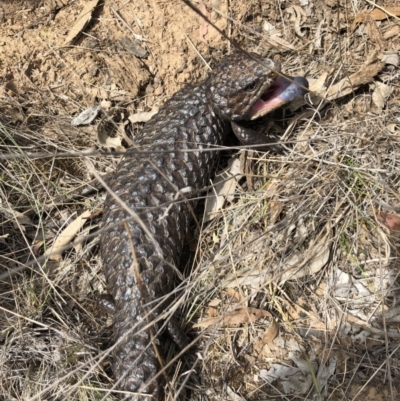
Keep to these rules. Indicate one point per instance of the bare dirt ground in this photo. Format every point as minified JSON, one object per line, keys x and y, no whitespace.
{"x":293,"y":292}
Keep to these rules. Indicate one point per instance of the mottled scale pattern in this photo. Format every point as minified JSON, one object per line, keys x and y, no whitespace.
{"x":196,"y":118}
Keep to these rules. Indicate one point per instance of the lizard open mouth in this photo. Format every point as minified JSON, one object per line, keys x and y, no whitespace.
{"x":283,"y":90}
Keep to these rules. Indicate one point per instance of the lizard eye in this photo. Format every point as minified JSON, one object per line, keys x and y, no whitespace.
{"x":250,"y":87}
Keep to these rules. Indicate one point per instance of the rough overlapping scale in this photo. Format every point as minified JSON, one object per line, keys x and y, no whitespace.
{"x":195,"y":120}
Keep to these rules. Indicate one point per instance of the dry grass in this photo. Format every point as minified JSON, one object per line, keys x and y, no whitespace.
{"x":305,"y":238}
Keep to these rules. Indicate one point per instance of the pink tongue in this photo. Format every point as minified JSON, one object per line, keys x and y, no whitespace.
{"x":281,"y":92}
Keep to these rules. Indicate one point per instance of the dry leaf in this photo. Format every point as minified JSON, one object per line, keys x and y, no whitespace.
{"x":86,"y":117}
{"x":82,"y":21}
{"x":379,"y":96}
{"x":207,"y":322}
{"x":363,"y":76}
{"x":293,"y":380}
{"x":19,"y":218}
{"x":132,"y":47}
{"x":389,"y":220}
{"x":269,"y":336}
{"x":271,"y":333}
{"x":211,"y":312}
{"x":233,"y":396}
{"x":224,"y":188}
{"x":310,"y":262}
{"x":231,"y":292}
{"x":391,"y":32}
{"x":298,"y":380}
{"x":377,"y":14}
{"x":275,"y":209}
{"x":281,"y":43}
{"x":271,"y":189}
{"x":214,"y":302}
{"x":66,"y":236}
{"x":296,"y":14}
{"x":238,"y":316}
{"x":373,"y":31}
{"x":391,"y":58}
{"x":142,"y":117}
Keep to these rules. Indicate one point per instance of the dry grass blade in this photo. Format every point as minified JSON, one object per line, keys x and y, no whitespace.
{"x":238,"y":316}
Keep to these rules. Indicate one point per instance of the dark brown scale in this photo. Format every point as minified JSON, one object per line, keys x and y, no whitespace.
{"x":196,"y":118}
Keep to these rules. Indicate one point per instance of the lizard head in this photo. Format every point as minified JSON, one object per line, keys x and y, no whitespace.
{"x":246,"y":88}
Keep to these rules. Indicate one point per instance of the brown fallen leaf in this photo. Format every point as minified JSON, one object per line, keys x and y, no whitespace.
{"x":364,"y":75}
{"x":212,"y":312}
{"x":214,"y":303}
{"x":377,"y":14}
{"x":82,"y":21}
{"x":86,"y":116}
{"x":391,"y":32}
{"x":379,"y":96}
{"x":269,"y":336}
{"x":388,"y":220}
{"x":225,"y":184}
{"x":373,"y":32}
{"x":142,"y":117}
{"x":238,"y":316}
{"x":311,"y":260}
{"x":271,"y":333}
{"x":231,"y":292}
{"x":65,"y":236}
{"x":275,"y":209}
{"x":297,"y":15}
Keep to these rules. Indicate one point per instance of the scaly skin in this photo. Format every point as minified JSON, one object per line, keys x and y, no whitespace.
{"x":197,"y":117}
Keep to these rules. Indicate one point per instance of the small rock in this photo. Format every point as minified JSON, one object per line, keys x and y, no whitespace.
{"x":158,"y":91}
